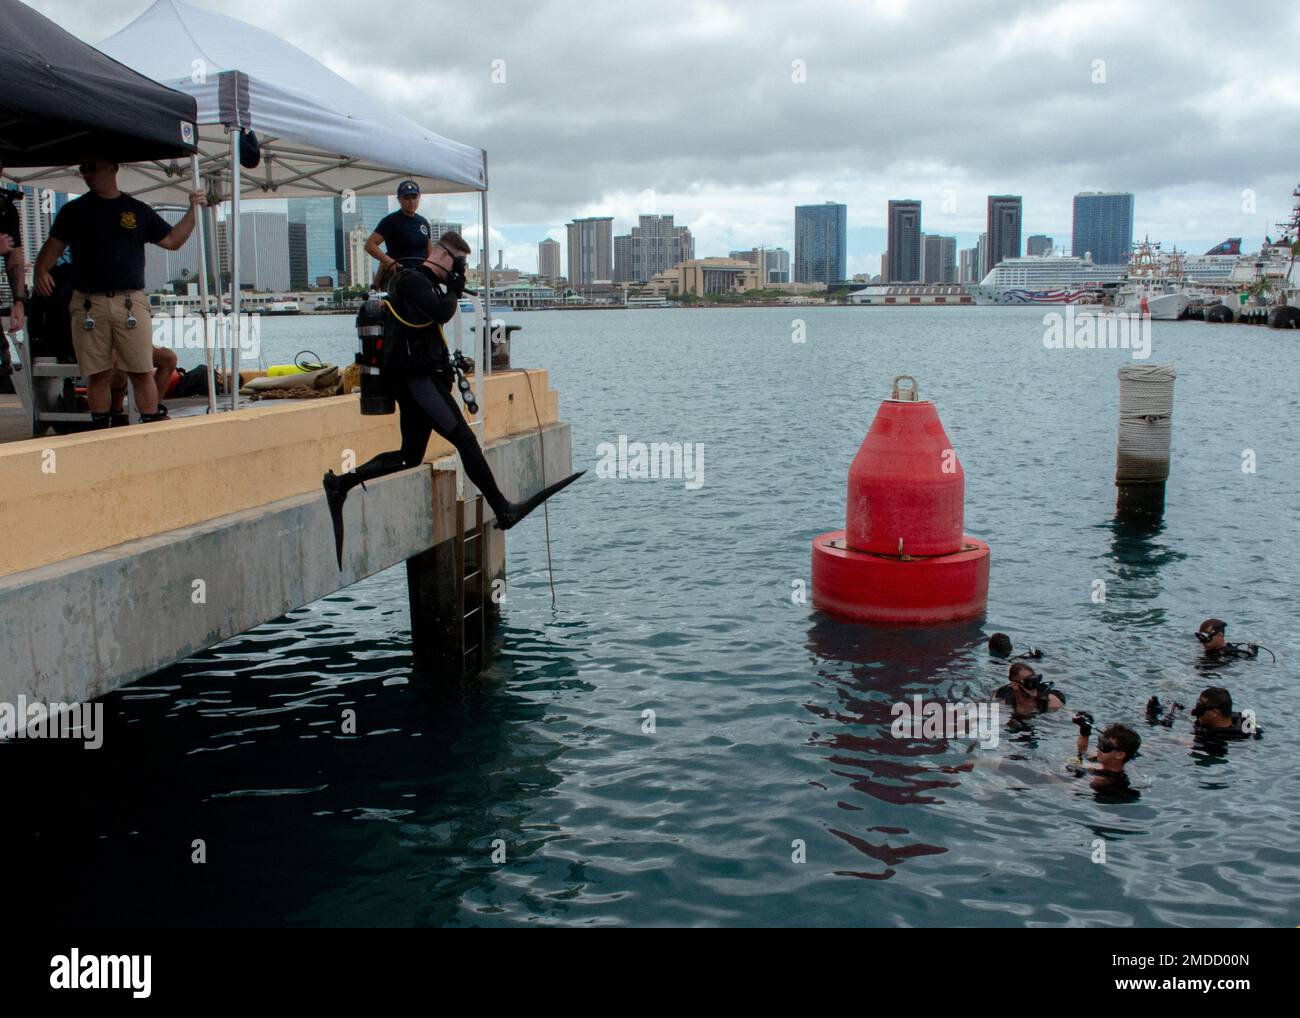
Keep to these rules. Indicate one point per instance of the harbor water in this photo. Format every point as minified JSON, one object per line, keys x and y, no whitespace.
{"x":680,"y":739}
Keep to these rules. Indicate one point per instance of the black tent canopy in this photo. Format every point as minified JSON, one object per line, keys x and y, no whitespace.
{"x":61,"y":98}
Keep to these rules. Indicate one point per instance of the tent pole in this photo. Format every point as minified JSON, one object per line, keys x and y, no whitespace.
{"x":199,"y":213}
{"x":213,"y":255}
{"x":232,"y":235}
{"x":484,"y":364}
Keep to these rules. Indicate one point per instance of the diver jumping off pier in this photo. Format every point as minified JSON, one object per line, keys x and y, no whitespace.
{"x":418,"y":372}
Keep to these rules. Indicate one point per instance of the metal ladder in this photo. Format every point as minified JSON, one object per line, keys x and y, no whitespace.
{"x":471,"y":586}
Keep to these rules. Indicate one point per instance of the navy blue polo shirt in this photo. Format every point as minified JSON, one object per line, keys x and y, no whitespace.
{"x":404,"y":236}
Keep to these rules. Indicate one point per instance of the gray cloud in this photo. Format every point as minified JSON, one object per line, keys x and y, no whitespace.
{"x":695,"y":101}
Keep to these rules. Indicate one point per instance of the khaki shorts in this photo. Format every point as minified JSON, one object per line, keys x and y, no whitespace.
{"x":111,"y":344}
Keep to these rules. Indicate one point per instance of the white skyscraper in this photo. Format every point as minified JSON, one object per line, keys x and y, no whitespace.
{"x":264,"y":250}
{"x":161,"y":267}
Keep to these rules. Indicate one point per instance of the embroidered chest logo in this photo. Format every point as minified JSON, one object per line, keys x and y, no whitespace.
{"x":127,"y":221}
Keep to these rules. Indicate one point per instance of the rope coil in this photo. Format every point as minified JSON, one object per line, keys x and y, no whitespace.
{"x":1146,"y":403}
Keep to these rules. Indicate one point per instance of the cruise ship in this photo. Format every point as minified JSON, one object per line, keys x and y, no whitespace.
{"x":1060,"y":279}
{"x":1046,"y":279}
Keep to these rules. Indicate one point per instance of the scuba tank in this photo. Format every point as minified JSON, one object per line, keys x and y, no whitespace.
{"x":375,"y":399}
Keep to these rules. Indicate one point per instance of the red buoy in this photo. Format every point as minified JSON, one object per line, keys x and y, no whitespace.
{"x":903,"y":556}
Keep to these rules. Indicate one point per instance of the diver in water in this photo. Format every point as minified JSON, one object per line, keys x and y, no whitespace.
{"x":1027,"y":694}
{"x":1217,"y":650}
{"x":1216,"y":722}
{"x":418,"y":373}
{"x":1000,"y":646}
{"x":1116,"y":746}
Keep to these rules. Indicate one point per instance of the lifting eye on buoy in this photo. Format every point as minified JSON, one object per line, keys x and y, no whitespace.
{"x":911,"y":395}
{"x":903,"y":555}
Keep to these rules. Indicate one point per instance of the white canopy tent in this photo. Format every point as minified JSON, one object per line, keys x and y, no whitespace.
{"x":320,"y":136}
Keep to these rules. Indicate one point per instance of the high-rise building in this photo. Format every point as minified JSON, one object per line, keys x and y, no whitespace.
{"x":940,"y":259}
{"x":658,"y":245}
{"x":264,"y":251}
{"x":1004,"y":229}
{"x":548,"y":259}
{"x":437,"y":227}
{"x":591,"y":250}
{"x":653,"y":246}
{"x":161,"y":267}
{"x":1103,"y":226}
{"x":820,"y":242}
{"x":905,"y":254}
{"x":968,"y":265}
{"x":1038,"y":245}
{"x":366,"y":211}
{"x":774,"y":262}
{"x":320,"y":254}
{"x":318,"y":238}
{"x":298,"y":278}
{"x":981,"y":246}
{"x":624,"y":271}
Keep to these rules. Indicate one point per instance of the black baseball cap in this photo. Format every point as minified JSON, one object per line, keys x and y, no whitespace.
{"x":407,"y":187}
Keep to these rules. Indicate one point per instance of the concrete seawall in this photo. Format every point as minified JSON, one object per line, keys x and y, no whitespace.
{"x":80,"y":617}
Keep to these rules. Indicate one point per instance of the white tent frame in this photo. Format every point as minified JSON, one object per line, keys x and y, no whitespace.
{"x":295,"y":91}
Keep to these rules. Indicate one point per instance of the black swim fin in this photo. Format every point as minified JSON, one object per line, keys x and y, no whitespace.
{"x":518,"y":510}
{"x":335,"y":496}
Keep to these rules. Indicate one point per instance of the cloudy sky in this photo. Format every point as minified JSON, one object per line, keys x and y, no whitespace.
{"x":728,"y":115}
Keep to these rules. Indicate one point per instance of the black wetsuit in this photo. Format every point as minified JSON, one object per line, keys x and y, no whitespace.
{"x":417,"y":372}
{"x":1006,"y":695}
{"x":1234,"y":732}
{"x":1229,"y":652}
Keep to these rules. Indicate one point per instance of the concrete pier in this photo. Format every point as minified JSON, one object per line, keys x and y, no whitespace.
{"x":131,"y":549}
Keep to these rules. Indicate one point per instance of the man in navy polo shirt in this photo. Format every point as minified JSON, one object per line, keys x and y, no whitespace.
{"x":107,"y":231}
{"x":405,"y":234}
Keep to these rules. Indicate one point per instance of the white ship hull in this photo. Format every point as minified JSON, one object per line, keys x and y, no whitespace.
{"x":1162,"y":307}
{"x":1020,"y":296}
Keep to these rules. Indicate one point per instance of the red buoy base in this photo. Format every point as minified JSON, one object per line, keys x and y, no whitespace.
{"x":862,"y":587}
